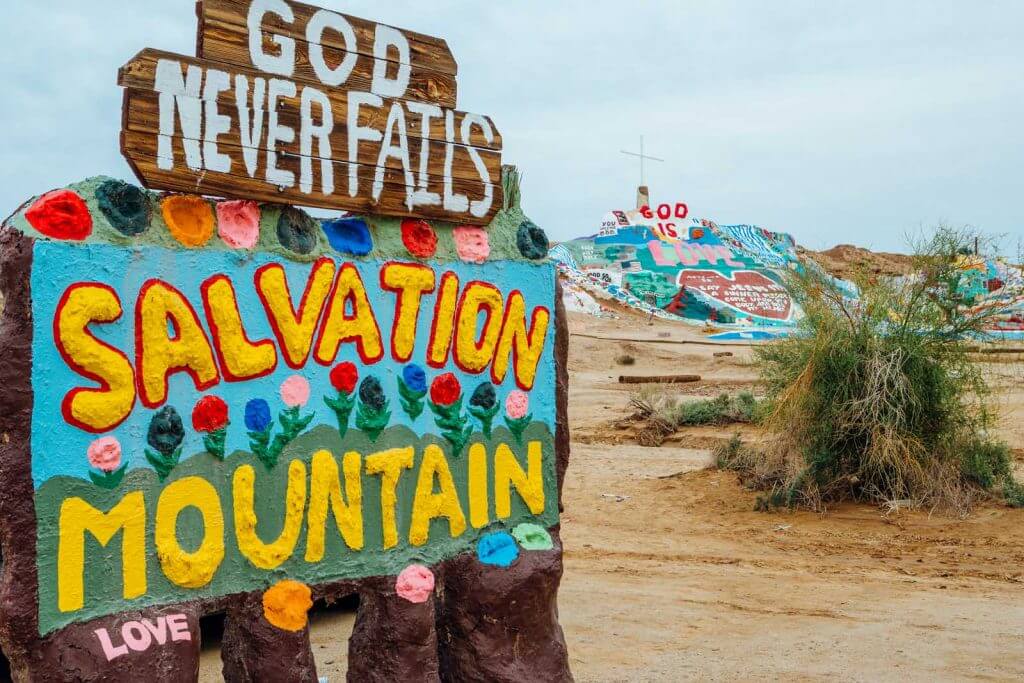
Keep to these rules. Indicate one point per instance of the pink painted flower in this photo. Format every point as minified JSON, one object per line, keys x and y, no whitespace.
{"x":238,"y":223}
{"x":415,"y":583}
{"x":517,"y":404}
{"x":295,"y":391}
{"x":105,"y":454}
{"x":472,"y":243}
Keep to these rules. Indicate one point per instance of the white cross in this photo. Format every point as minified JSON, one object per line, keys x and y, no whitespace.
{"x":643,"y":158}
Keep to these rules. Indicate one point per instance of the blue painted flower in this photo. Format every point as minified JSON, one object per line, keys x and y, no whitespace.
{"x":498,"y":549}
{"x":257,"y":415}
{"x":349,"y":236}
{"x":414,"y":378}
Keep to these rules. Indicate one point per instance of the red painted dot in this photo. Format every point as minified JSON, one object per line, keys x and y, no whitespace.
{"x":62,"y":215}
{"x":419,"y":238}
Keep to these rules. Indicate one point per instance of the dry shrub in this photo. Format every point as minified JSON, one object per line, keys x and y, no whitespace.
{"x":877,"y":398}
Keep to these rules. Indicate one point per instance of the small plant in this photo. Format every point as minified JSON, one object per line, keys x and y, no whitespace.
{"x":446,"y":403}
{"x":374,"y":412}
{"x":343,"y":378}
{"x":877,"y":398}
{"x":210,"y":418}
{"x":625,"y":359}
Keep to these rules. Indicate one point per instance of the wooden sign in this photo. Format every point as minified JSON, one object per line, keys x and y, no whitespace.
{"x":292,"y":103}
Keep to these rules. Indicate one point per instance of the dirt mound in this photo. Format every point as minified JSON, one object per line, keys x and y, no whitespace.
{"x":845,"y":260}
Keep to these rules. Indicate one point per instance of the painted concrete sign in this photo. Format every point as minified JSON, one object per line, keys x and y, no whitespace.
{"x":288,"y":102}
{"x":224,"y":403}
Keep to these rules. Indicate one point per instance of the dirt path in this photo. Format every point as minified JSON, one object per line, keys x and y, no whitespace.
{"x":671,"y":576}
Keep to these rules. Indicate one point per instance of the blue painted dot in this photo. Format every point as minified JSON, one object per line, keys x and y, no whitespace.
{"x":498,"y":549}
{"x":349,"y":236}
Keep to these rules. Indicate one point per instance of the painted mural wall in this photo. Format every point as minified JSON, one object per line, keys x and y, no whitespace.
{"x":223,"y":399}
{"x":685,"y":269}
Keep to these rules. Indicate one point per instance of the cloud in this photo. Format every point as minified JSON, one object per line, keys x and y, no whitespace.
{"x":838,"y":122}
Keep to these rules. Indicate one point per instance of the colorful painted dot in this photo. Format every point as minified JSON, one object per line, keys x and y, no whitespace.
{"x":297,"y":230}
{"x":472,"y":243}
{"x":419,"y":238}
{"x":415,"y":584}
{"x":531,"y":240}
{"x":126,"y":207}
{"x":238,"y":223}
{"x":62,"y":215}
{"x":286,"y":605}
{"x":533,"y":537}
{"x":189,"y":218}
{"x":349,"y":236}
{"x":498,"y":549}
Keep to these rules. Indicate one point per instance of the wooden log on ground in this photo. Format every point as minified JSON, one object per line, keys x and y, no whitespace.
{"x":660,"y":379}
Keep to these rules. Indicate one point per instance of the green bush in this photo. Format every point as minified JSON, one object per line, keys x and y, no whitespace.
{"x":876,"y":398}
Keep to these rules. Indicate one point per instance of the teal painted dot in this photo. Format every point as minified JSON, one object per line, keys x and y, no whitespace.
{"x":533,"y":537}
{"x":531,"y":240}
{"x":498,"y":549}
{"x":349,"y":236}
{"x":126,"y":207}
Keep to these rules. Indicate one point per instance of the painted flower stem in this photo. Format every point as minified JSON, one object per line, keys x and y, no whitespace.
{"x":163,"y":463}
{"x":411,"y":399}
{"x":214,"y":442}
{"x":259,"y":442}
{"x":342,"y":408}
{"x":454,"y":424}
{"x":108,"y":480}
{"x":486,"y":418}
{"x":518,"y":426}
{"x":292,"y":424}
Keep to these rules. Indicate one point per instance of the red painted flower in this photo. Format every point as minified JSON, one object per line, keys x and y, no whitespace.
{"x":445,"y":390}
{"x":419,"y":238}
{"x":62,"y":215}
{"x":344,"y":377}
{"x":210,"y":414}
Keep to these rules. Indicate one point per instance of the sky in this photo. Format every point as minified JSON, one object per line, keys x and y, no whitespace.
{"x":840,"y":122}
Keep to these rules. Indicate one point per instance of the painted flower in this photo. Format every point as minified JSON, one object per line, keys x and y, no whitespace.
{"x":105,"y":454}
{"x":517,"y":404}
{"x":415,"y":584}
{"x":445,"y":390}
{"x":189,"y":219}
{"x":295,"y":391}
{"x":415,"y":378}
{"x":531,"y":240}
{"x":472,"y":243}
{"x":257,"y":415}
{"x":210,"y":414}
{"x":127,"y":208}
{"x":484,"y":397}
{"x":344,"y":377}
{"x":419,"y":238}
{"x":166,"y":432}
{"x":297,"y":230}
{"x":371,"y":393}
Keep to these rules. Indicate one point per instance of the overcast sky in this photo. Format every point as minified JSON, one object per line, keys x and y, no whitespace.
{"x":839,"y":122}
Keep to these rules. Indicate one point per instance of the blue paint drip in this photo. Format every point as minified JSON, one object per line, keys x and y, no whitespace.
{"x":349,"y":236}
{"x":498,"y":549}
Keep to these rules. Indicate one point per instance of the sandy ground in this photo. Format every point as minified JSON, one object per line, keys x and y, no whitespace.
{"x":670,"y":575}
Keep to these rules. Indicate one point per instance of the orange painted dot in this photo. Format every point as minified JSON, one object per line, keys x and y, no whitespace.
{"x":286,"y":605}
{"x":189,"y":218}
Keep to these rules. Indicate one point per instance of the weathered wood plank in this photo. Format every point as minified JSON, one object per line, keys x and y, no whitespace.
{"x":226,"y":44}
{"x":425,"y":52}
{"x":143,"y":107}
{"x":663,"y":379}
{"x":141,"y":152}
{"x":140,"y":74}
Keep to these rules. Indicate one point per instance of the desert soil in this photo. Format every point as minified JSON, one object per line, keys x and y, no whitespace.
{"x":670,"y":575}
